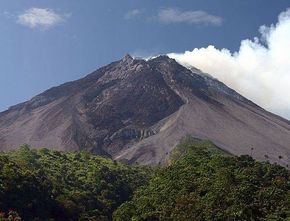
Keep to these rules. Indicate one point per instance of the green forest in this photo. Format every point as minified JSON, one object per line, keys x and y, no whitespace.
{"x":200,"y":182}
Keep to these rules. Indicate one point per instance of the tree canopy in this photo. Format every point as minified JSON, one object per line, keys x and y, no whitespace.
{"x":200,"y":182}
{"x":45,"y":184}
{"x":203,"y":183}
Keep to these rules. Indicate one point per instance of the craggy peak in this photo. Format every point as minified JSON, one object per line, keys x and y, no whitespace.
{"x":183,"y":116}
{"x":134,"y":110}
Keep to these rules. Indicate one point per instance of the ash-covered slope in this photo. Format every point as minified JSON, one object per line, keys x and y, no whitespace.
{"x":137,"y":111}
{"x":103,"y":112}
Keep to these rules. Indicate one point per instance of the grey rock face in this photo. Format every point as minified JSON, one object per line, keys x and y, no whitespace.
{"x":137,"y":111}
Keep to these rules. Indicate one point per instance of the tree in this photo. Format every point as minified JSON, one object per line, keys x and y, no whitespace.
{"x":11,"y":216}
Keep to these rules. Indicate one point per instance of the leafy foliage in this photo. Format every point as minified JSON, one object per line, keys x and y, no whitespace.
{"x":11,"y":216}
{"x":203,"y":183}
{"x":54,"y":185}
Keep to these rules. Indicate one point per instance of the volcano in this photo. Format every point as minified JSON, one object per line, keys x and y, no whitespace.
{"x":137,"y":111}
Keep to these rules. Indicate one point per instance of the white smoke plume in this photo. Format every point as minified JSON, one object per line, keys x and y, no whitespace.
{"x":260,"y":70}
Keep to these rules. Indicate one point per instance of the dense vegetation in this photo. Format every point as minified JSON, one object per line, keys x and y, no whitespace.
{"x":44,"y":184}
{"x":203,"y":183}
{"x":200,"y":183}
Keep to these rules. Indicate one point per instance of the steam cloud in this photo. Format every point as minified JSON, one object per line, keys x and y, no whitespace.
{"x":260,"y":70}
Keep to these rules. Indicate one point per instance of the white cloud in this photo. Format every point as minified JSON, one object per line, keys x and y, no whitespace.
{"x":133,"y":13}
{"x":8,"y":14}
{"x":40,"y":18}
{"x":260,"y":70}
{"x":172,"y":15}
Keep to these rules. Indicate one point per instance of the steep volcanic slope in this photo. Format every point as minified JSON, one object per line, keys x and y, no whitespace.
{"x":102,"y":112}
{"x":137,"y":111}
{"x":212,"y":111}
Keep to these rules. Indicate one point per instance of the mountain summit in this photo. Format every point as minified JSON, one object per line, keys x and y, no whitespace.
{"x":137,"y":111}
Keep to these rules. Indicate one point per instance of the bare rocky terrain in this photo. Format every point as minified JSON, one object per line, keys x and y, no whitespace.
{"x":137,"y":111}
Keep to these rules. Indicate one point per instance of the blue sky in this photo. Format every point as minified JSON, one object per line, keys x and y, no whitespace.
{"x":47,"y":42}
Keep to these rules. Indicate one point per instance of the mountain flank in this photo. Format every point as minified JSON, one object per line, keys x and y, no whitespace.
{"x":137,"y":111}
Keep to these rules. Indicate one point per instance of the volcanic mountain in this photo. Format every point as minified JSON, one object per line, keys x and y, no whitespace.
{"x":137,"y":111}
